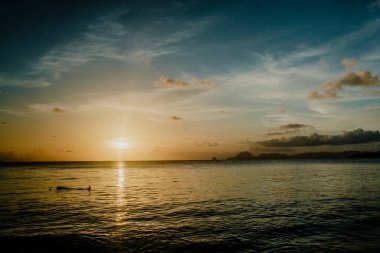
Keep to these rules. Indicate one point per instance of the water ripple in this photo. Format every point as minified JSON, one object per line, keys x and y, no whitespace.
{"x":191,"y":207}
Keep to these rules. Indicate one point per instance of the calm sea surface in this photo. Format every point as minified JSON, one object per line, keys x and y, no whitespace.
{"x":279,"y":206}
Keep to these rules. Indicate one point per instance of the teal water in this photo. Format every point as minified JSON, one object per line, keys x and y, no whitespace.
{"x":272,"y":206}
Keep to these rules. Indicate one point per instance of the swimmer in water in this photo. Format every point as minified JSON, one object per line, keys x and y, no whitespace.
{"x":60,"y":188}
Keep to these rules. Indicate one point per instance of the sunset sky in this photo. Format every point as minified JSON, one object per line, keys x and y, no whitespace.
{"x":147,"y":80}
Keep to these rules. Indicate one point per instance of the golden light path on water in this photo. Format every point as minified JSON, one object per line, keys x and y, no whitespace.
{"x":121,"y":210}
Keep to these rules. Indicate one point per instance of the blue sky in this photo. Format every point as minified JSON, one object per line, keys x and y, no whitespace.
{"x":185,"y":79}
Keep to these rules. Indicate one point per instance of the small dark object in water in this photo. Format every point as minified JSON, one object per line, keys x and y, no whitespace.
{"x":60,"y":188}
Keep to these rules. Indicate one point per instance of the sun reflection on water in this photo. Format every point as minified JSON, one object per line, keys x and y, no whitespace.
{"x":121,"y":210}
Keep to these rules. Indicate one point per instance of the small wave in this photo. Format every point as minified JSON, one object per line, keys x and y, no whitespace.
{"x":52,"y":243}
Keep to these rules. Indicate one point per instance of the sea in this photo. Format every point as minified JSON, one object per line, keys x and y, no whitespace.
{"x":191,"y":206}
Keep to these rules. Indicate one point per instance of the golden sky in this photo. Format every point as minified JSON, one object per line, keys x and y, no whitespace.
{"x":188,"y":81}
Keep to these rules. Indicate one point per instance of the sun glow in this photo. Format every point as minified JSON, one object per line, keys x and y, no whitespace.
{"x":120,"y":144}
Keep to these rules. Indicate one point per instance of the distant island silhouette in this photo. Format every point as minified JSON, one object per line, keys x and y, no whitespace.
{"x":245,"y":156}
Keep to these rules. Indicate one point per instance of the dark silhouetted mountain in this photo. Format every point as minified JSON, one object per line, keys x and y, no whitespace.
{"x":366,"y":155}
{"x":272,"y":156}
{"x":243,"y":156}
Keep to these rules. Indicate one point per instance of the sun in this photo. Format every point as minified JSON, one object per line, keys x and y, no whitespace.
{"x":120,"y":144}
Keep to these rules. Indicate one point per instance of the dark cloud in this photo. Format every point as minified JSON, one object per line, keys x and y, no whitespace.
{"x":294,"y":126}
{"x":375,"y":5}
{"x":8,"y":157}
{"x":176,"y":118}
{"x":290,"y":128}
{"x":167,"y":82}
{"x":68,"y":151}
{"x":35,"y":155}
{"x":350,"y":137}
{"x":57,"y":110}
{"x":276,"y":133}
{"x":3,"y":122}
{"x":211,"y":144}
{"x":255,"y":148}
{"x":362,"y":78}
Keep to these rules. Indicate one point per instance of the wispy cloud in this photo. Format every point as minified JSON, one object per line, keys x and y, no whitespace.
{"x":365,"y":32}
{"x":375,"y":5}
{"x":33,"y":109}
{"x":27,"y":83}
{"x":111,"y":38}
{"x":13,"y":112}
{"x":99,"y":42}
